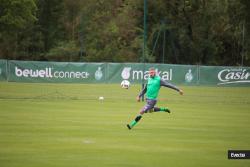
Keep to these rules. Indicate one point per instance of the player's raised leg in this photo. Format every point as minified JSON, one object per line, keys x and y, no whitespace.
{"x":161,"y":109}
{"x":149,"y":106}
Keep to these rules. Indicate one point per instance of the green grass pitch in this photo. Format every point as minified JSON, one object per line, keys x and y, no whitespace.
{"x":63,"y":125}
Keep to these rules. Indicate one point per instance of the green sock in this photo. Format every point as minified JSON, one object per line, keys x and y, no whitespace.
{"x":164,"y":109}
{"x":133,"y":123}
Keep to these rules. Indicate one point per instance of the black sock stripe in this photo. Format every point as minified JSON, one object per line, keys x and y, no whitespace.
{"x":138,"y":118}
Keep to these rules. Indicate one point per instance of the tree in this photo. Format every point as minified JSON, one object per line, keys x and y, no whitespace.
{"x":15,"y":16}
{"x":111,"y":31}
{"x":208,"y":32}
{"x":197,"y":31}
{"x":50,"y":22}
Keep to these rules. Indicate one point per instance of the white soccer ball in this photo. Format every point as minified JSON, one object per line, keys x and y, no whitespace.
{"x":125,"y":84}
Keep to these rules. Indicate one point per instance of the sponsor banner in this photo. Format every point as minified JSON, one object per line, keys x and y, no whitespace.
{"x":31,"y":71}
{"x":226,"y":76}
{"x":138,"y":73}
{"x":3,"y":70}
{"x":64,"y":72}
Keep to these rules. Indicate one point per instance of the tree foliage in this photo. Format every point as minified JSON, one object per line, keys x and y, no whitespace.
{"x":208,"y":32}
{"x":15,"y":16}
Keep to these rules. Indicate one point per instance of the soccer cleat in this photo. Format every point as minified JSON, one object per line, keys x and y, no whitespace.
{"x":129,"y":126}
{"x":167,"y":110}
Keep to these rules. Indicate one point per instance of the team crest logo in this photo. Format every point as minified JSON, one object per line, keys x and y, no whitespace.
{"x":189,"y":76}
{"x":98,"y":74}
{"x":126,"y":73}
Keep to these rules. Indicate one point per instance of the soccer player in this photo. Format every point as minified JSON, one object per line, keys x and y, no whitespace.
{"x":152,"y":89}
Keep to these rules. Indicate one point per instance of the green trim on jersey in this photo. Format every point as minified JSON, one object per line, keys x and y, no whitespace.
{"x":153,"y":87}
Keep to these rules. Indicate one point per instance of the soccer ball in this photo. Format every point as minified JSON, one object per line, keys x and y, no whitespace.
{"x":101,"y":98}
{"x":125,"y":84}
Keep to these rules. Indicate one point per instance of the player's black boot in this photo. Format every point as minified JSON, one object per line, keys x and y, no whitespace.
{"x":128,"y":126}
{"x":167,"y":110}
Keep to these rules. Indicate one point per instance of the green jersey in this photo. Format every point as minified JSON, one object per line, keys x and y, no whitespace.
{"x":153,"y":87}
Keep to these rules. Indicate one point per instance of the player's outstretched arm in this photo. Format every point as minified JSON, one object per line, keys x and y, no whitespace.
{"x":169,"y":85}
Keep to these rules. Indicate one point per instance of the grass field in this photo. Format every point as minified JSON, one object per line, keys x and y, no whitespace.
{"x":64,"y":125}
